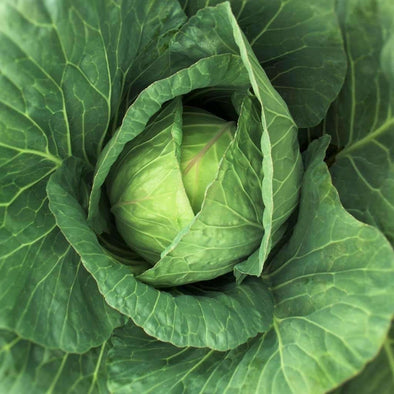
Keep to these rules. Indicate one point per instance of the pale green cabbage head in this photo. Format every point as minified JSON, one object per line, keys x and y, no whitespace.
{"x":160,"y":182}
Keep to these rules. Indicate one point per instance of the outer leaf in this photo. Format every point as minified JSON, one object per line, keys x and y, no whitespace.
{"x":362,"y":119}
{"x":56,"y":97}
{"x":282,"y":165}
{"x":169,"y":371}
{"x":215,"y":71}
{"x":361,"y":122}
{"x":378,"y":375}
{"x":333,"y":272}
{"x":45,"y":291}
{"x":29,"y":368}
{"x":220,"y":319}
{"x":297,"y":42}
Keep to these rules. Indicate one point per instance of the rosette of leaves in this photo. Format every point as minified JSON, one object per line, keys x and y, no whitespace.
{"x":252,"y":278}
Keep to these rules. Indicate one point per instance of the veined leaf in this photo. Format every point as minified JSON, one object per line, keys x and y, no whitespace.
{"x":377,"y":376}
{"x":57,"y":97}
{"x":26,"y":367}
{"x":296,"y":42}
{"x":215,"y":71}
{"x":282,"y":166}
{"x":361,"y":120}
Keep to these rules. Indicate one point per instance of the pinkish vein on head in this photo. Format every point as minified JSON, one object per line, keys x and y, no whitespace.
{"x":206,"y":148}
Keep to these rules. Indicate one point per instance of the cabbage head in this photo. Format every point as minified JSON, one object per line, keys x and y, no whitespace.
{"x":159,"y":184}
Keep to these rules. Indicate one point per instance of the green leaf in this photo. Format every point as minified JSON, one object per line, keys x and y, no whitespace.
{"x":333,"y":272}
{"x":68,"y":82}
{"x":29,"y":368}
{"x":222,"y":317}
{"x":296,"y":42}
{"x":282,"y":166}
{"x":45,"y":290}
{"x":168,"y":371}
{"x":57,"y":97}
{"x":377,"y":376}
{"x":214,"y":71}
{"x":361,"y":120}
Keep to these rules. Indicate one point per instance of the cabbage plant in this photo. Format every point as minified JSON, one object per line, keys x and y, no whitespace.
{"x":196,"y":196}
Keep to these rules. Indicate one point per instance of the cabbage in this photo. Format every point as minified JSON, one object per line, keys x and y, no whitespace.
{"x":196,"y":196}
